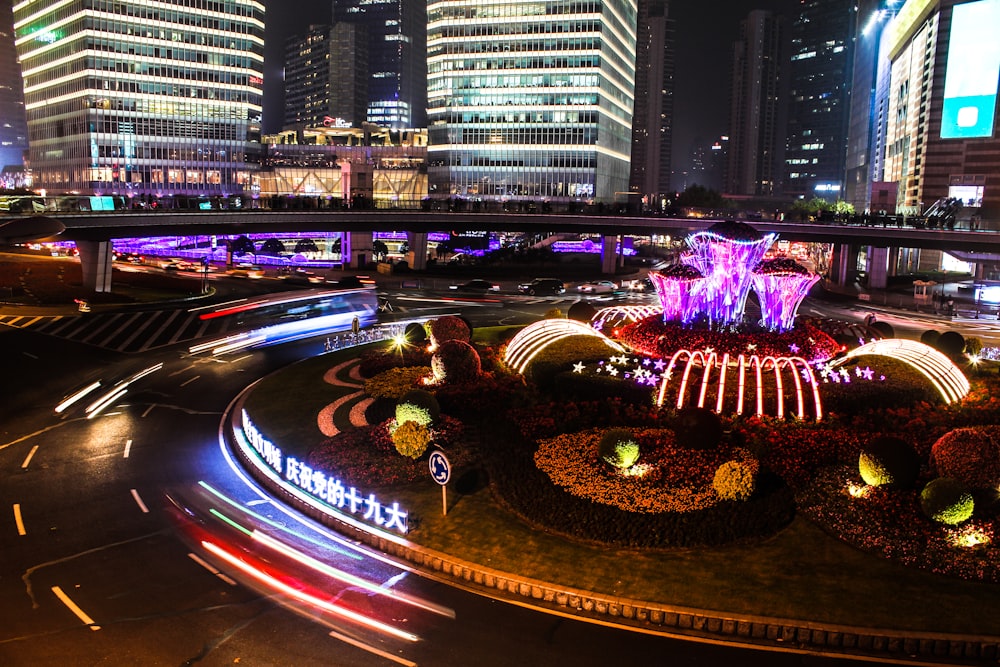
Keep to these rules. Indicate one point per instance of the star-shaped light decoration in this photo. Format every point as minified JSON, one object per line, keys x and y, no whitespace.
{"x":659,"y":364}
{"x":845,"y":374}
{"x":613,"y":371}
{"x":638,"y":372}
{"x":868,"y":373}
{"x":709,"y":350}
{"x":857,"y":371}
{"x":647,"y":361}
{"x":794,"y":348}
{"x":751,"y":346}
{"x":578,"y":367}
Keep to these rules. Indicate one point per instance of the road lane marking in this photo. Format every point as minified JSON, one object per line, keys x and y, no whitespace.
{"x":128,"y":446}
{"x":18,"y":520}
{"x":138,"y":501}
{"x":87,"y":620}
{"x":372,"y":649}
{"x":148,"y":410}
{"x":211,"y":568}
{"x":246,"y":356}
{"x":29,"y":354}
{"x":27,"y":459}
{"x":187,"y":382}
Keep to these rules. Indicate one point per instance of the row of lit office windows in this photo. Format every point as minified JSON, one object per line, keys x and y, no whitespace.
{"x":473,"y":99}
{"x":516,"y":29}
{"x":512,"y":10}
{"x":439,"y":47}
{"x":516,"y":81}
{"x":519,"y":63}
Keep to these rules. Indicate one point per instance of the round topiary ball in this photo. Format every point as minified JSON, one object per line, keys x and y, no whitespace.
{"x":455,"y":362}
{"x":951,"y":343}
{"x":971,"y":455}
{"x":735,"y":480}
{"x":618,"y":448}
{"x":698,"y":428}
{"x":415,"y":333}
{"x":411,"y":439}
{"x":419,"y":406}
{"x":581,"y":311}
{"x":930,"y":337}
{"x":449,"y":327}
{"x":946,"y":500}
{"x":889,"y":461}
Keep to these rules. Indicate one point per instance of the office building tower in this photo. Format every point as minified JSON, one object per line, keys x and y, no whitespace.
{"x":140,"y":98}
{"x":755,"y":134}
{"x":397,"y":66}
{"x":652,"y":123}
{"x":941,"y":147}
{"x":530,"y":100}
{"x":821,"y":35}
{"x":13,"y":131}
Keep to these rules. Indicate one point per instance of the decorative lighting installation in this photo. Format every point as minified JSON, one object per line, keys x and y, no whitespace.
{"x":725,"y":254}
{"x":615,"y":316}
{"x":678,"y":287}
{"x":536,"y":337}
{"x":781,"y":284}
{"x":944,"y":375}
{"x":720,"y":367}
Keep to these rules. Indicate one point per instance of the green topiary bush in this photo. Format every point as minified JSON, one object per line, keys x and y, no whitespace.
{"x":618,"y":448}
{"x":455,"y":362}
{"x":415,"y":333}
{"x":581,"y":311}
{"x":698,"y":428}
{"x":973,"y":346}
{"x":946,"y":500}
{"x":417,"y":405}
{"x":889,"y":461}
{"x":736,"y":480}
{"x":971,"y":455}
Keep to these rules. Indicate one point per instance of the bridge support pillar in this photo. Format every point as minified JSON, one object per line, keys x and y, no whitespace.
{"x":844,"y":264}
{"x":356,"y":249}
{"x":878,"y":267}
{"x":96,"y":258}
{"x":609,"y":254}
{"x":417,"y":257}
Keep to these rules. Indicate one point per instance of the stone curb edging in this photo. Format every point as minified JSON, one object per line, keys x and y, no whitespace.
{"x":746,"y":630}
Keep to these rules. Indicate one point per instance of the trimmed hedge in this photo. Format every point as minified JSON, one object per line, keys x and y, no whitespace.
{"x":889,"y":461}
{"x":946,"y":500}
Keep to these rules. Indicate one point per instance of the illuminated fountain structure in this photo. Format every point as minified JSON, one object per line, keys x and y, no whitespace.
{"x":781,"y":284}
{"x":725,"y":254}
{"x":679,"y":289}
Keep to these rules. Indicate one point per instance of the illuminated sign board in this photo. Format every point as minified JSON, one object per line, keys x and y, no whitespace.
{"x":296,"y":475}
{"x":973,"y":71}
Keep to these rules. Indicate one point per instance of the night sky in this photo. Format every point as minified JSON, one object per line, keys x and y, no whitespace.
{"x":705,"y":30}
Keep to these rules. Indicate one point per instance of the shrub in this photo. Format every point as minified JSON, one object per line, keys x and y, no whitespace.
{"x":973,"y":346}
{"x":930,"y":337}
{"x":376,"y":361}
{"x":553,"y":314}
{"x":411,"y":439}
{"x":415,"y":333}
{"x":951,"y":343}
{"x":618,"y":448}
{"x":449,"y":327}
{"x":971,"y":455}
{"x":419,"y":406}
{"x":946,"y":500}
{"x":396,"y":382}
{"x":698,"y":428}
{"x":455,"y":362}
{"x":889,"y":461}
{"x":736,"y":480}
{"x":581,"y":311}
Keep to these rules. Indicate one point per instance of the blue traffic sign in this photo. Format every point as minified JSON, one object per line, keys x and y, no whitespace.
{"x":440,"y":467}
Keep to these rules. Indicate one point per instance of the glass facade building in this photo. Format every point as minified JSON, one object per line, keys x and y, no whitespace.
{"x":530,"y":100}
{"x":142,"y":98}
{"x":13,"y":131}
{"x":397,"y":74}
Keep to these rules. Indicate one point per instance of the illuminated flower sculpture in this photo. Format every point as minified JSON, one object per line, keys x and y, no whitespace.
{"x":781,"y":284}
{"x":678,"y":288}
{"x":725,"y":254}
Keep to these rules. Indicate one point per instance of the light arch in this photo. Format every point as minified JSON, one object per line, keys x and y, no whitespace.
{"x":535,"y":337}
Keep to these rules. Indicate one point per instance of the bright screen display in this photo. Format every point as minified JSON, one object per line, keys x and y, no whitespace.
{"x":970,"y":83}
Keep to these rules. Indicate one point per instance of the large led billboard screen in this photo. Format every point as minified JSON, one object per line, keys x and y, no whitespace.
{"x":973,"y":71}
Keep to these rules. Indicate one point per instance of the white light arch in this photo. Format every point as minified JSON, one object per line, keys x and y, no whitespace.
{"x":944,"y":375}
{"x":618,"y":315}
{"x":534,"y":338}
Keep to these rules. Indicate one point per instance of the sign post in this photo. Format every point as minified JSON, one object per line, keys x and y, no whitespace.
{"x":441,"y":473}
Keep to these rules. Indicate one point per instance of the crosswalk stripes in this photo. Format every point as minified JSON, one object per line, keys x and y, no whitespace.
{"x":123,"y":332}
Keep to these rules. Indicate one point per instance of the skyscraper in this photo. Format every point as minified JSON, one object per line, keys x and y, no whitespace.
{"x":13,"y":131}
{"x":140,"y":98}
{"x":755,"y":131}
{"x":530,"y":100}
{"x":819,"y":96}
{"x":397,"y":68}
{"x":652,"y":124}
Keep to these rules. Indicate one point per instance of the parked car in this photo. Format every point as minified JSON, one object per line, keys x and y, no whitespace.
{"x":598,"y":287}
{"x":549,"y":286}
{"x":476,"y":286}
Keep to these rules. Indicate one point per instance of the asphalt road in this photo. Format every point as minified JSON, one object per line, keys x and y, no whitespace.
{"x":95,"y":571}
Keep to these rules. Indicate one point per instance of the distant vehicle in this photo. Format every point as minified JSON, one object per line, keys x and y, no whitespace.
{"x":640,"y":285}
{"x":598,"y":287}
{"x":476,"y":286}
{"x":548,"y":286}
{"x":301,"y":277}
{"x":130,"y":257}
{"x":252,"y":273}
